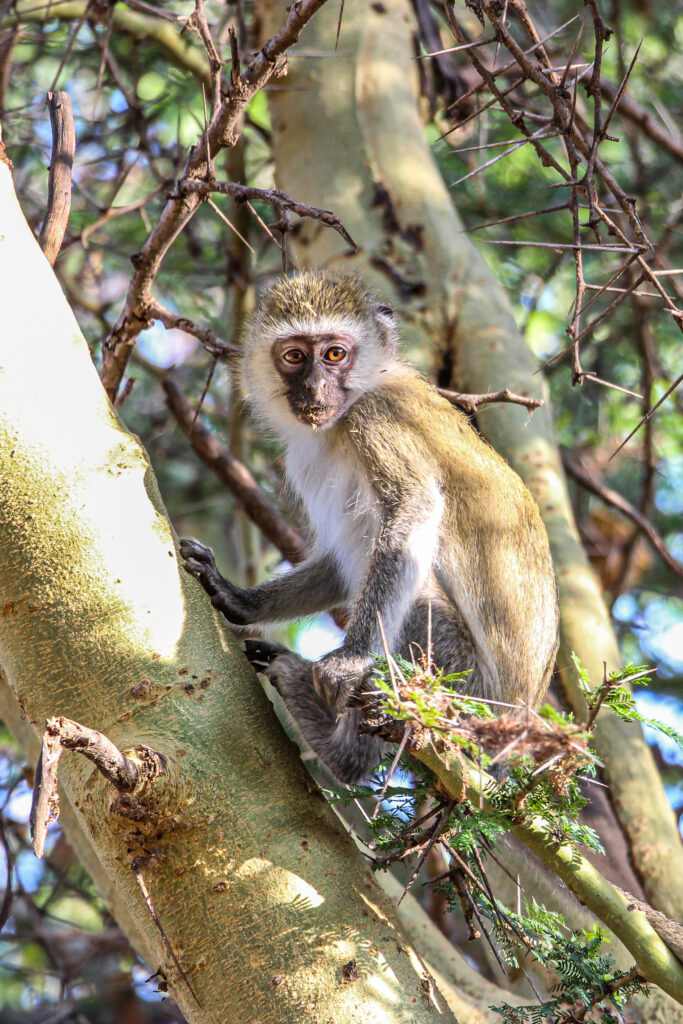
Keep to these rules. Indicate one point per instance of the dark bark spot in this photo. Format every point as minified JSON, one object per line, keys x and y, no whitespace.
{"x":382,"y":198}
{"x":414,"y":235}
{"x":142,"y":688}
{"x":350,"y":972}
{"x":407,"y":289}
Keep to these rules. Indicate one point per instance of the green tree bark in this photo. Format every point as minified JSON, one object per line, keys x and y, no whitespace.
{"x":263,"y":897}
{"x":359,"y":149}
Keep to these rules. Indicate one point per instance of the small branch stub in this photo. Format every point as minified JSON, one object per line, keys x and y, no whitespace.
{"x":59,"y":182}
{"x":126,"y":772}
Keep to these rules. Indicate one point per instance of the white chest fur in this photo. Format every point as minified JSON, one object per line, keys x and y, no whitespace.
{"x":341,"y":505}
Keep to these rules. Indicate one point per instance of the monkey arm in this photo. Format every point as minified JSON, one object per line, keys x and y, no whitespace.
{"x":311,"y":587}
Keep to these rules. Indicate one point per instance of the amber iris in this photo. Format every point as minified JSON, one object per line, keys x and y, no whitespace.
{"x":335,"y":354}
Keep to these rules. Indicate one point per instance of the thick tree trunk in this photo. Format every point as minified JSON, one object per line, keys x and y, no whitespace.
{"x":348,"y":136}
{"x":263,"y":897}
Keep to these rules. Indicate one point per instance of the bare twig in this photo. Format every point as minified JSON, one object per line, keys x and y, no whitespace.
{"x":236,"y":476}
{"x":407,"y":733}
{"x":439,"y":826}
{"x":518,"y":216}
{"x":470,"y":403}
{"x":279,"y":199}
{"x":59,"y":180}
{"x":209,"y":339}
{"x":631,"y":110}
{"x":198,"y":22}
{"x":506,"y":152}
{"x":116,"y":211}
{"x":142,"y":886}
{"x":648,"y":414}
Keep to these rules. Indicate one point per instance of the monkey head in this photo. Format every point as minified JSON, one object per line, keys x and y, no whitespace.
{"x":317,"y":342}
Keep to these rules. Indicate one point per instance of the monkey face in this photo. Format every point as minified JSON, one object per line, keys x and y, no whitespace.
{"x":314,"y":369}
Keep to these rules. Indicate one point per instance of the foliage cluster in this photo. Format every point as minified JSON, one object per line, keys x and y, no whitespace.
{"x":524,"y":785}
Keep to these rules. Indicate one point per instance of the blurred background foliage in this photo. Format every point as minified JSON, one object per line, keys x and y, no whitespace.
{"x":138,"y":107}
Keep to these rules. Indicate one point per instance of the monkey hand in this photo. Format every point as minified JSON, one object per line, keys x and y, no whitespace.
{"x":338,"y":674}
{"x":334,"y":678}
{"x":228,"y":599}
{"x":290,"y":674}
{"x":262,"y":653}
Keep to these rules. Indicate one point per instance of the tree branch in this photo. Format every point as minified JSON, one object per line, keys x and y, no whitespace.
{"x":613,"y":498}
{"x":222,"y":132}
{"x":653,"y":958}
{"x":125,"y":773}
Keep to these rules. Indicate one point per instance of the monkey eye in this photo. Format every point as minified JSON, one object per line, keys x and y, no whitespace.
{"x":335,"y":354}
{"x":294,"y":356}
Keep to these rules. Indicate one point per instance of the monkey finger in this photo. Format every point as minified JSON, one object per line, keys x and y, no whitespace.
{"x":193,"y":550}
{"x":196,"y":569}
{"x":262,"y":653}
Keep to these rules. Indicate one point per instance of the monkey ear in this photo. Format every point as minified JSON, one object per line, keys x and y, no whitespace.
{"x":387,"y":326}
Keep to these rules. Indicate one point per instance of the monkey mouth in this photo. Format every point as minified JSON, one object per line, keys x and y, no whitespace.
{"x":313,"y":413}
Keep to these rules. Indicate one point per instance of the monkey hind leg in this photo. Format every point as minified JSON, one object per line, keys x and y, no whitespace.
{"x":452,"y":646}
{"x":337,"y":741}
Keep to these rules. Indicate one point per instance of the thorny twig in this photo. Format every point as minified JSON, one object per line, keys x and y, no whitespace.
{"x":222,"y":131}
{"x":561,"y":111}
{"x":282,"y":203}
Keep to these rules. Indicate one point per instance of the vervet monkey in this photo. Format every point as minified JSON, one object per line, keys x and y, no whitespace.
{"x":413,"y":516}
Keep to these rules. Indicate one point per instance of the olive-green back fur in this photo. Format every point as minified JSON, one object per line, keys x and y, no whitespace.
{"x":493,"y":550}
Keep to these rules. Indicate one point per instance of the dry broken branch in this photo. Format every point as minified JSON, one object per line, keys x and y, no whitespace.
{"x":121,"y":771}
{"x":59,"y":180}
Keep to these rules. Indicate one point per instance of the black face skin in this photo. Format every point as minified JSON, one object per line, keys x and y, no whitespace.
{"x":314,"y":369}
